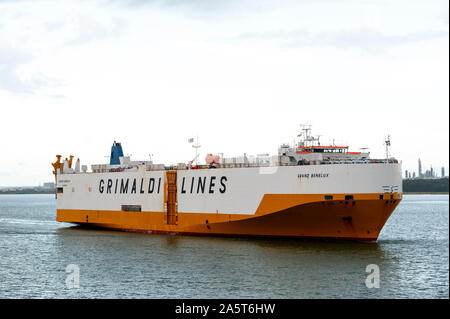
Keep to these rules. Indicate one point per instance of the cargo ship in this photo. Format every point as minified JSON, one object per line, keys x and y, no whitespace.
{"x":307,"y":190}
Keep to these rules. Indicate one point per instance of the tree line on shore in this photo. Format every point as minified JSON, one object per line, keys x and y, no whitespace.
{"x":438,"y":185}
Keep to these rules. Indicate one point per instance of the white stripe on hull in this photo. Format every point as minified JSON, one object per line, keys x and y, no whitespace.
{"x":224,"y":190}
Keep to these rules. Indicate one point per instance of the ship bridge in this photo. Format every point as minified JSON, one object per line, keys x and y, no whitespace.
{"x":324,"y":149}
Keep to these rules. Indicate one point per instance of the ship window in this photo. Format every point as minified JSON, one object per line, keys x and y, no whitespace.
{"x":59,"y":190}
{"x":381,"y":197}
{"x":328,"y":197}
{"x":131,"y":208}
{"x":348,"y":197}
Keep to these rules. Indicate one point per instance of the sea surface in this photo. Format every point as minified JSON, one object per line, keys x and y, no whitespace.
{"x":41,"y":258}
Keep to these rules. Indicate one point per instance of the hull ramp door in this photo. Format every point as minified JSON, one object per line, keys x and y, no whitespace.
{"x":171,"y":198}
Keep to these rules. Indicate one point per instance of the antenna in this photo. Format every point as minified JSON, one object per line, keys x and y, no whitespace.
{"x":388,"y":143}
{"x":196,"y":146}
{"x":318,"y":139}
{"x":306,"y":128}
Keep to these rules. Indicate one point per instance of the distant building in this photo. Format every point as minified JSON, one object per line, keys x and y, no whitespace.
{"x":420,"y":169}
{"x":414,"y":174}
{"x":442,"y":171}
{"x":49,"y":185}
{"x":406,"y":173}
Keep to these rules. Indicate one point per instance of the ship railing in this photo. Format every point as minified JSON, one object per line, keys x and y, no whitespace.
{"x":102,"y":168}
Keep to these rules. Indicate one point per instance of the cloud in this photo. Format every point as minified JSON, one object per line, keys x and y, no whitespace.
{"x":445,"y":18}
{"x":27,"y":38}
{"x":194,"y":8}
{"x":57,"y":96}
{"x":87,"y":29}
{"x":11,"y":62}
{"x":364,"y":39}
{"x":198,"y":4}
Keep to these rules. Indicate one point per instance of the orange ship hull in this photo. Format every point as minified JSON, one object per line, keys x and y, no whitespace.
{"x":292,"y":215}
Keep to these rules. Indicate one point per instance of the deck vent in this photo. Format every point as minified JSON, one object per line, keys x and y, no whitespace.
{"x":131,"y":208}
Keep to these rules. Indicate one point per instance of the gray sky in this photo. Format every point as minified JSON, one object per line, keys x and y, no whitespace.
{"x":242,"y":75}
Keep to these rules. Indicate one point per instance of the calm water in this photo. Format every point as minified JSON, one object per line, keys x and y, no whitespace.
{"x":412,"y":254}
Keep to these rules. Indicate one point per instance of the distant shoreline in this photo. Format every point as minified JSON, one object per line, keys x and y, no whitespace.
{"x":426,"y":186}
{"x":26,"y":192}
